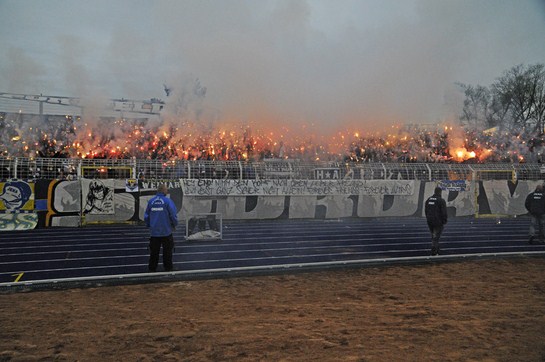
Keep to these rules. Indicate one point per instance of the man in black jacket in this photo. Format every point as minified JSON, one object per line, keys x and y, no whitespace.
{"x":535,"y":204}
{"x":436,"y":216}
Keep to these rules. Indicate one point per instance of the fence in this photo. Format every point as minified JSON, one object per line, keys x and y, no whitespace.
{"x":62,"y":168}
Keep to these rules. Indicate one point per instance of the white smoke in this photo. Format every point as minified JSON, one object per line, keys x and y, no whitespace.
{"x":322,"y":64}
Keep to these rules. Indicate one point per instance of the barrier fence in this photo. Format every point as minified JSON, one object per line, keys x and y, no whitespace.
{"x":73,"y":169}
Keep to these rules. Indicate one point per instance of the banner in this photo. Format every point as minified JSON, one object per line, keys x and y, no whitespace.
{"x":455,"y":185}
{"x":16,"y":195}
{"x":18,"y":221}
{"x":327,"y":173}
{"x":131,"y":185}
{"x":213,"y":187}
{"x":97,"y":196}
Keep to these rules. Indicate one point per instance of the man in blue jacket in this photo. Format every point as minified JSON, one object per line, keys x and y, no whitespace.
{"x":161,"y":217}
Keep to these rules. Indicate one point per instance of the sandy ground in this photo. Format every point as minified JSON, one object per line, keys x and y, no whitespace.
{"x":487,"y":310}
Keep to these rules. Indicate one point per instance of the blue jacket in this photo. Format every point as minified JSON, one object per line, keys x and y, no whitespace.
{"x":161,"y":215}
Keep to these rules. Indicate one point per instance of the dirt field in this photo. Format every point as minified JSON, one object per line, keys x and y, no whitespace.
{"x":488,"y":310}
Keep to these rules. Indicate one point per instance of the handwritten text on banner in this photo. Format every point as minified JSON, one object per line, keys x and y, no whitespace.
{"x":210,"y":187}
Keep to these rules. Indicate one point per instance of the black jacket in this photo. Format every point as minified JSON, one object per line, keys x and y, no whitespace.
{"x":436,"y":210}
{"x":535,"y":203}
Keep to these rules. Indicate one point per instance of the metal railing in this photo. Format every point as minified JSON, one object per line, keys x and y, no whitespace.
{"x":64,"y":168}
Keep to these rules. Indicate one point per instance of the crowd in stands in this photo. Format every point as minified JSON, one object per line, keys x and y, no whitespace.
{"x":68,"y":137}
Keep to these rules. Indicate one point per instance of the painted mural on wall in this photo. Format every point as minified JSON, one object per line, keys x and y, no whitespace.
{"x":123,"y":205}
{"x":16,"y":195}
{"x":17,"y":205}
{"x":98,"y":196}
{"x":63,"y":203}
{"x":18,"y":221}
{"x":73,"y":203}
{"x":497,"y":197}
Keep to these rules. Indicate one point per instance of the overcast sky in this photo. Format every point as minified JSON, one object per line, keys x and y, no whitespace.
{"x":317,"y":61}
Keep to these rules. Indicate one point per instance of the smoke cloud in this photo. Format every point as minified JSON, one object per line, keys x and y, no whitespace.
{"x":321,"y":63}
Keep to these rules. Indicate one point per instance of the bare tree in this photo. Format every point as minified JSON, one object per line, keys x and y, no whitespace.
{"x":538,"y":110}
{"x":518,"y":98}
{"x":515,"y":101}
{"x":477,"y":102}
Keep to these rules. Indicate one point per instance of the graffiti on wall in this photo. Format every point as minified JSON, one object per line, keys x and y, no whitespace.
{"x":19,"y":221}
{"x":98,"y":196}
{"x":63,"y":202}
{"x":285,"y":187}
{"x":16,"y":195}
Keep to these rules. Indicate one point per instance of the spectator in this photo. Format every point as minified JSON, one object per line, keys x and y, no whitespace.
{"x":535,"y":204}
{"x":161,"y":217}
{"x":436,"y":217}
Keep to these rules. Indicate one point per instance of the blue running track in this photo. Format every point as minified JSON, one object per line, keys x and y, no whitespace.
{"x":96,"y":255}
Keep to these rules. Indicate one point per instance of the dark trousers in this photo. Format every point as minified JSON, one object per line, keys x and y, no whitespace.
{"x":155,"y":243}
{"x":536,"y":225}
{"x":436,"y":231}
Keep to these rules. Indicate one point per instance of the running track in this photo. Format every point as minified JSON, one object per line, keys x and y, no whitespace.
{"x":97,"y":255}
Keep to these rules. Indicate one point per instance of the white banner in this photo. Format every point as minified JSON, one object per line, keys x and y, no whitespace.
{"x":210,"y":187}
{"x":455,"y":185}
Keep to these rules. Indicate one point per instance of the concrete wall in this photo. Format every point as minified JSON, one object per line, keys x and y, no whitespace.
{"x":62,"y":203}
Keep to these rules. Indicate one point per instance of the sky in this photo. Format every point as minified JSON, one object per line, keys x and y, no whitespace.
{"x":320,"y":62}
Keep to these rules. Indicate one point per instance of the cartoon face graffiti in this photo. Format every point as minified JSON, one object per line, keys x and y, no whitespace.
{"x":99,"y":199}
{"x":15,"y":194}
